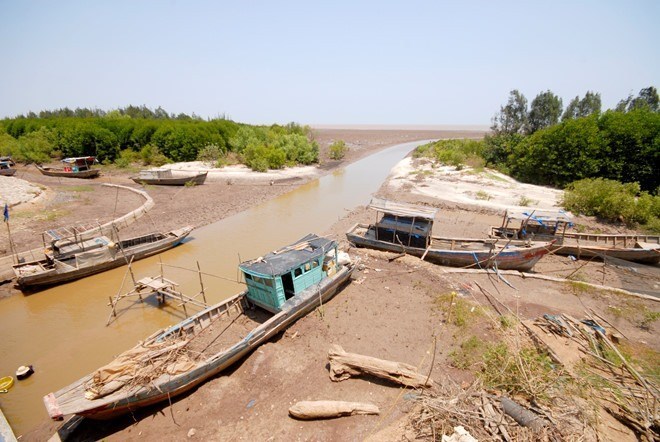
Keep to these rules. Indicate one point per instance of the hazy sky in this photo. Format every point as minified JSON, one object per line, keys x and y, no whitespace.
{"x":335,"y":62}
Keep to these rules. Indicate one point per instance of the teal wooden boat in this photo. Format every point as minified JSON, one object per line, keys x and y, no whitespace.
{"x":282,"y":287}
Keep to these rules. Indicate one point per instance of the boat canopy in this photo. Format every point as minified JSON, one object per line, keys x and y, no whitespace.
{"x":307,"y":249}
{"x":402,"y":209}
{"x":154,"y":174}
{"x":79,"y":160}
{"x":539,"y":216}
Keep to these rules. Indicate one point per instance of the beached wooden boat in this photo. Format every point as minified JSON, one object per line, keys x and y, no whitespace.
{"x":164,"y":177}
{"x":282,"y":287}
{"x":404,"y":228}
{"x":6,"y":169}
{"x":78,"y":167}
{"x":75,"y":260}
{"x":548,"y":225}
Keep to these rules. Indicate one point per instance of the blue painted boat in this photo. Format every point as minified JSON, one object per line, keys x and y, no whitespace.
{"x":282,"y":287}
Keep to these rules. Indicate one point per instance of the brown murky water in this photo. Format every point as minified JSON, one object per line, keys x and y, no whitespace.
{"x":62,"y":331}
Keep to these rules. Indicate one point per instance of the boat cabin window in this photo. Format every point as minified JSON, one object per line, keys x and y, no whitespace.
{"x":297,"y":272}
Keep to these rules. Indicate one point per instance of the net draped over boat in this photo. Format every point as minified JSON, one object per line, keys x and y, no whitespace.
{"x":139,"y":366}
{"x":95,"y":257}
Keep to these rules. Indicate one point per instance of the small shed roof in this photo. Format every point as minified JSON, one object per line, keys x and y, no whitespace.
{"x":402,"y":209}
{"x":309,"y":248}
{"x":539,"y":215}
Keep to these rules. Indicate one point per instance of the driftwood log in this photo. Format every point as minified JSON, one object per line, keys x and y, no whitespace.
{"x":344,"y":365}
{"x":328,"y":409}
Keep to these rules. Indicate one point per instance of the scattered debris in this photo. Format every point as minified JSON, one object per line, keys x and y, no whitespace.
{"x":460,"y":435}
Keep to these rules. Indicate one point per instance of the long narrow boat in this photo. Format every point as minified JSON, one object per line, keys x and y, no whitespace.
{"x":549,"y":225}
{"x":282,"y":287}
{"x":100,"y":254}
{"x":164,"y":177}
{"x":405,"y":228}
{"x":78,"y":167}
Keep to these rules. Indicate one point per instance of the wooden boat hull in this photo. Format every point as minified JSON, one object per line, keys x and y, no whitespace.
{"x":7,"y":172}
{"x":168,"y":386}
{"x":586,"y":245}
{"x":49,"y":171}
{"x":640,"y":255}
{"x":54,"y":276}
{"x":176,"y":181}
{"x":481,"y":254}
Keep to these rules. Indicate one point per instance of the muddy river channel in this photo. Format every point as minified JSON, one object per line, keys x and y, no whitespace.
{"x":62,"y":331}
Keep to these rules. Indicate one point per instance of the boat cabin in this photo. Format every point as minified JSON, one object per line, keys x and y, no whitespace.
{"x":155,"y":174}
{"x":404,"y":224}
{"x":78,"y":164}
{"x":6,"y":169}
{"x":7,"y":159}
{"x":65,"y":242}
{"x":533,"y":223}
{"x":280,"y":275}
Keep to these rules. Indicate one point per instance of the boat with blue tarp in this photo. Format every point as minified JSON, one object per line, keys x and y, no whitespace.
{"x":282,"y":286}
{"x":548,"y":225}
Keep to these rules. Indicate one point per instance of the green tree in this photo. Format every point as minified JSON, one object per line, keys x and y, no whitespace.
{"x":632,"y":147}
{"x":646,"y":99}
{"x":36,"y":147}
{"x":544,"y":112}
{"x":512,"y":118}
{"x":559,"y":154}
{"x":589,"y":105}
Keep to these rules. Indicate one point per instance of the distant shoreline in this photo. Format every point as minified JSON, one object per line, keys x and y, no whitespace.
{"x":476,"y":127}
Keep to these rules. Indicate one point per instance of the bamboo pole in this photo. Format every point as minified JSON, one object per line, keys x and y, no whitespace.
{"x":555,"y":279}
{"x":201,"y":283}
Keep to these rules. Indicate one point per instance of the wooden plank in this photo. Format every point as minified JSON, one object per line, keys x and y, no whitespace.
{"x":6,"y":433}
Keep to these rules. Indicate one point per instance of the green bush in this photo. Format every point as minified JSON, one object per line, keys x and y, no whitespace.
{"x":36,"y":147}
{"x":210,"y":154}
{"x":453,"y":152}
{"x":338,"y":150}
{"x":126,"y":158}
{"x":525,"y":372}
{"x":151,"y":155}
{"x":612,"y":201}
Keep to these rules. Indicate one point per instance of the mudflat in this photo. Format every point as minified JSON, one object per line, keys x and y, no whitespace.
{"x":394,"y":308}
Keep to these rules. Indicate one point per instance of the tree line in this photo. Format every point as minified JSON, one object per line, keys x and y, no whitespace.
{"x":139,"y":132}
{"x":545,"y":144}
